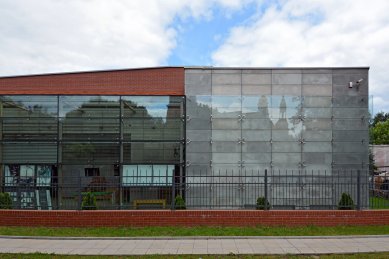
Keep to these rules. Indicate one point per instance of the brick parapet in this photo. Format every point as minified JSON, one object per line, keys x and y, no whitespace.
{"x":148,"y":81}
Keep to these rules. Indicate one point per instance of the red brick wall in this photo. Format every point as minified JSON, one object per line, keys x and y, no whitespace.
{"x":191,"y":218}
{"x":152,"y":81}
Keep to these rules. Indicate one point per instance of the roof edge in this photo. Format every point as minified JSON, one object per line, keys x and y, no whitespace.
{"x":274,"y":68}
{"x":183,"y":67}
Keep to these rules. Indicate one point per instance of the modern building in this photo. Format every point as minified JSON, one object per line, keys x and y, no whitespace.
{"x":381,"y":157}
{"x":219,"y":137}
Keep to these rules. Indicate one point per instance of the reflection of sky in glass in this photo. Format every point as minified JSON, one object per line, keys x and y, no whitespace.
{"x":156,"y":106}
{"x":290,"y":101}
{"x":226,"y":104}
{"x":143,"y":175}
{"x":226,"y":101}
{"x":203,"y":100}
{"x":256,"y":101}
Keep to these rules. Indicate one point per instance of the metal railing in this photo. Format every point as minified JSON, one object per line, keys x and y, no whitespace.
{"x":240,"y":189}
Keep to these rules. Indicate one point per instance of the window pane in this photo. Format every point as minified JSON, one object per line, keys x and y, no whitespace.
{"x":97,"y":129}
{"x":26,"y":128}
{"x":43,"y":174}
{"x":151,"y":152}
{"x":160,"y":174}
{"x":90,"y":153}
{"x":151,"y":106}
{"x":33,"y":152}
{"x":29,"y":106}
{"x":145,"y":174}
{"x":152,"y":129}
{"x":89,"y":106}
{"x":130,"y":173}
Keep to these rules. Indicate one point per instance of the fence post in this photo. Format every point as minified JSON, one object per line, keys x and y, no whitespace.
{"x":358,"y":189}
{"x":173,"y":192}
{"x":79,"y":193}
{"x":266,"y":190}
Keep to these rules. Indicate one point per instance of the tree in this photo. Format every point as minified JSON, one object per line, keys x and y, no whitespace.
{"x":380,"y":117}
{"x":372,"y":166}
{"x":380,"y":133}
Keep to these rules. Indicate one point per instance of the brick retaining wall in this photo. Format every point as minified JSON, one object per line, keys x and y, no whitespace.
{"x":67,"y":218}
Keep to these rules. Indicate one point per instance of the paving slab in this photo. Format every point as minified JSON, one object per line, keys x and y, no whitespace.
{"x":195,"y":245}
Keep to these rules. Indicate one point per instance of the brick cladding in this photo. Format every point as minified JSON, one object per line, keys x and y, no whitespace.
{"x":149,"y":81}
{"x":62,"y":218}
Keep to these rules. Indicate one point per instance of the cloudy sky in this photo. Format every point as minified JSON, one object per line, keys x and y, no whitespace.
{"x":44,"y":36}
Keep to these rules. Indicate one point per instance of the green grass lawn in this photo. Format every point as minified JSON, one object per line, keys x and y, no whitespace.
{"x":194,"y":231}
{"x":335,"y":256}
{"x":379,"y":203}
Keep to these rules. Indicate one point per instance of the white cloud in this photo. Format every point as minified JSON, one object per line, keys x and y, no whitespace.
{"x":67,"y":35}
{"x":316,"y":33}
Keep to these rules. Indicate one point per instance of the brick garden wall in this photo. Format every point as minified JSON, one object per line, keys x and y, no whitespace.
{"x":191,"y":218}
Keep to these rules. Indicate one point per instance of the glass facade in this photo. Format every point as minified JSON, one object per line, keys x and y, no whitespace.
{"x":292,"y":123}
{"x":297,"y":137}
{"x":54,"y":149}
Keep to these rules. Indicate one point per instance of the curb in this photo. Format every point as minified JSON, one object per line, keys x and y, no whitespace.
{"x":191,"y":238}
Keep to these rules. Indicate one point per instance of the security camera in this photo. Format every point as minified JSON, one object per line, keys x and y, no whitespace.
{"x":359,"y":81}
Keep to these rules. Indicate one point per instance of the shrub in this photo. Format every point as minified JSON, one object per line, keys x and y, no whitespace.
{"x":89,"y":202}
{"x":5,"y":201}
{"x":262,"y":203}
{"x":346,"y":202}
{"x":179,"y":203}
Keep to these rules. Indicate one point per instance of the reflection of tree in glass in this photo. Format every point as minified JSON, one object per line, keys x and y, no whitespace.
{"x":96,"y":107}
{"x":286,"y":120}
{"x":263,"y":107}
{"x":283,"y":108}
{"x":296,"y":120}
{"x":202,"y":107}
{"x":82,"y":149}
{"x":26,"y":107}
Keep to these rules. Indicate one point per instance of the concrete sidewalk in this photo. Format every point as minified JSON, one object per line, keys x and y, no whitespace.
{"x":195,"y":245}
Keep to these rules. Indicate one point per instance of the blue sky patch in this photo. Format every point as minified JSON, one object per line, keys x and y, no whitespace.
{"x":198,"y":38}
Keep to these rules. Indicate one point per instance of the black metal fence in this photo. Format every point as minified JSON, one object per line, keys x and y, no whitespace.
{"x":242,"y":189}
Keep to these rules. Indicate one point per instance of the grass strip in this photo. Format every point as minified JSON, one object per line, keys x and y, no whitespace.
{"x":194,"y":231}
{"x":379,"y":203}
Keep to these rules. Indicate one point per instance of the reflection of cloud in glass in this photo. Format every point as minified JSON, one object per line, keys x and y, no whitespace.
{"x":203,"y":102}
{"x":226,"y":109}
{"x":158,"y":111}
{"x":226,"y":101}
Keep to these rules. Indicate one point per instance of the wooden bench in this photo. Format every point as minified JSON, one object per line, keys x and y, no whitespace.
{"x":138,"y":202}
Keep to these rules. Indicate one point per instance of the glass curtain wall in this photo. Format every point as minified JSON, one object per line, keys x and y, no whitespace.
{"x":293,"y":123}
{"x":57,"y":149}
